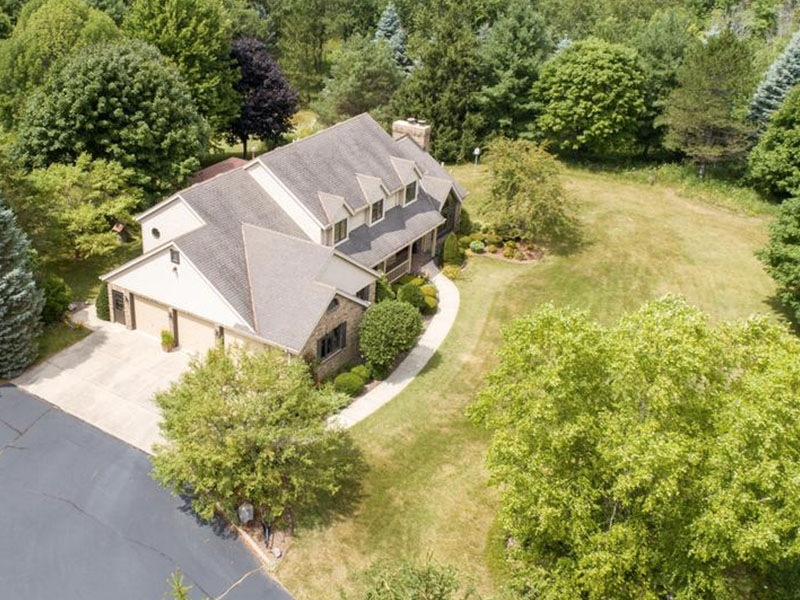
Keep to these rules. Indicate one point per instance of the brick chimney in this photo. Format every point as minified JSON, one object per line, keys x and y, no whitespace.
{"x":419,"y":131}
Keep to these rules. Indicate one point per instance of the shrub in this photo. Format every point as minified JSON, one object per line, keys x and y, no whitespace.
{"x":464,"y":241}
{"x":349,"y":383}
{"x":508,"y":252}
{"x":378,"y":372}
{"x":362,"y":371}
{"x":519,"y":255}
{"x":407,"y":278}
{"x":477,"y":236}
{"x":494,"y":239}
{"x":465,"y":225}
{"x":491,"y":248}
{"x":452,"y":272}
{"x":428,"y":290}
{"x":383,"y":290}
{"x":387,"y":330}
{"x":167,"y":340}
{"x":418,"y":281}
{"x":412,"y":294}
{"x":101,"y":303}
{"x":431,"y":304}
{"x":510,"y":244}
{"x":57,"y":297}
{"x":451,"y":252}
{"x":477,"y":247}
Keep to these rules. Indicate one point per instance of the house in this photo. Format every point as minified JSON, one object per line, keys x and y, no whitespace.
{"x":284,"y":250}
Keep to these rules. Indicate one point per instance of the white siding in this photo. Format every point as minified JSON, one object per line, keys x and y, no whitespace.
{"x":345,"y":276}
{"x":172,"y":221}
{"x":296,"y":211}
{"x":358,"y":219}
{"x":182,"y":287}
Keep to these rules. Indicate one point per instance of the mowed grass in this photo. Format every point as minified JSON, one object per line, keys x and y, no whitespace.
{"x":426,"y":492}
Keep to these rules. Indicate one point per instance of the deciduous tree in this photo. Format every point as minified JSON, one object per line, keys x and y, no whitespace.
{"x":20,"y":300}
{"x":781,"y":255}
{"x":653,"y":458}
{"x":268,"y":101}
{"x":119,"y":102}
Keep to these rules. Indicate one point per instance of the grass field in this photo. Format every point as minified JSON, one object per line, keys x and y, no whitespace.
{"x":426,"y":491}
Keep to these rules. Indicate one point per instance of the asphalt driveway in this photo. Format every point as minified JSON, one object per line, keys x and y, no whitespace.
{"x":81,"y":519}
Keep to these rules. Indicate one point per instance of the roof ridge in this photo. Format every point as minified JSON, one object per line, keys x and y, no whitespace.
{"x":287,"y":236}
{"x":295,"y":143}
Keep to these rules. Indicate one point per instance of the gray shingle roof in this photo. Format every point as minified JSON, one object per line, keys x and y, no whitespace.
{"x":426,"y":163}
{"x":287,"y":298}
{"x":401,"y":226}
{"x":224,"y":203}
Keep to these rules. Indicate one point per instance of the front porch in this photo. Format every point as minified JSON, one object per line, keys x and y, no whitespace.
{"x":409,"y":259}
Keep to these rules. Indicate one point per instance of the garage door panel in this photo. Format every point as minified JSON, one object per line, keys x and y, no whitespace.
{"x":195,"y":335}
{"x":151,"y":317}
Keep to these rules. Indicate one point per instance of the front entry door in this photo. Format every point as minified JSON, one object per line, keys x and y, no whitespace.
{"x":118,"y":300}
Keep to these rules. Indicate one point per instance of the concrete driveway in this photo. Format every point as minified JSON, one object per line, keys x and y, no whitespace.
{"x":81,"y":519}
{"x":108,"y":379}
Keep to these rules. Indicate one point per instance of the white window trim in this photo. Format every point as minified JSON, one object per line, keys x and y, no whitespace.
{"x":416,"y":193}
{"x":347,"y":232}
{"x":383,"y":212}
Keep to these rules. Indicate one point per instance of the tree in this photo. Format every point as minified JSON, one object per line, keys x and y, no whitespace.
{"x":781,"y":255}
{"x":408,"y":580}
{"x":590,"y":97}
{"x":20,"y":300}
{"x":773,"y":164}
{"x":267,"y":101}
{"x":388,"y":329}
{"x":304,"y":31}
{"x":442,"y":88}
{"x":390,"y":29}
{"x":527,"y":196}
{"x":79,"y":204}
{"x":511,"y":55}
{"x":778,"y":81}
{"x":118,"y":102}
{"x":654,"y":458}
{"x":705,"y":113}
{"x":251,"y":426}
{"x":54,"y":30}
{"x":359,"y":60}
{"x":195,"y":35}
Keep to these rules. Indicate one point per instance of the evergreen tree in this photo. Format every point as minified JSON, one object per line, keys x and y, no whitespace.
{"x":781,"y":77}
{"x":773,"y":163}
{"x":304,"y":31}
{"x":391,"y":29}
{"x":20,"y":300}
{"x":705,"y":116}
{"x":512,"y":53}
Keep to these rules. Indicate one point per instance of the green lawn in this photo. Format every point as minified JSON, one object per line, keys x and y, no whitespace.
{"x":82,"y":275}
{"x":426,"y":490}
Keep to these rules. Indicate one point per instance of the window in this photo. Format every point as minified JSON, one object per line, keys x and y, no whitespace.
{"x":332,"y":342}
{"x":175,"y":256}
{"x":340,"y":231}
{"x":363,"y":294}
{"x":411,"y":192}
{"x":156,"y":233}
{"x":377,"y":211}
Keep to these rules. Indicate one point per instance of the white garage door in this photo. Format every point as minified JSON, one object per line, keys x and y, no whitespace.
{"x":151,"y":317}
{"x":195,"y":335}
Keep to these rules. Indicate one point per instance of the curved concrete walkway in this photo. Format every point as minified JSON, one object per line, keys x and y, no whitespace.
{"x":416,"y":360}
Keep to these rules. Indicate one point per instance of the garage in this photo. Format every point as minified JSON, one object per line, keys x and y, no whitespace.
{"x":195,"y":335}
{"x":150,"y":317}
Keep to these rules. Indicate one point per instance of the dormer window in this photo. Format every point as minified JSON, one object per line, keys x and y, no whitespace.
{"x":377,"y":212}
{"x":340,"y":231}
{"x":411,"y":192}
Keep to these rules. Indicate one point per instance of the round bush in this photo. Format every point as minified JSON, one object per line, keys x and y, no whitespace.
{"x":349,"y":383}
{"x":511,"y":244}
{"x":387,"y":330}
{"x":509,"y":252}
{"x":464,"y":241}
{"x":477,"y":236}
{"x":411,"y":293}
{"x":491,"y":248}
{"x":494,"y":239}
{"x":431,"y":304}
{"x":362,"y":371}
{"x":428,"y":290}
{"x":57,"y":297}
{"x":477,"y":247}
{"x":519,"y":255}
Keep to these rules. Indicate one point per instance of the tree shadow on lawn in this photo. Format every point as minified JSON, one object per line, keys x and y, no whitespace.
{"x":785,"y":313}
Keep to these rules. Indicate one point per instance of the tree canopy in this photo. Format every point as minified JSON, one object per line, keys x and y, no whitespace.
{"x":391,"y":29}
{"x":119,"y":102}
{"x":773,"y":163}
{"x":781,"y":255}
{"x":778,"y":81}
{"x":655,"y":457}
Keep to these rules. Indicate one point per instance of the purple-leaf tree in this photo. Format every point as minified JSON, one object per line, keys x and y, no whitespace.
{"x":268,"y":101}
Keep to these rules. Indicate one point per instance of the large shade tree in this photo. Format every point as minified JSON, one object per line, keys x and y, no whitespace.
{"x":195,"y":35}
{"x":591,"y":97}
{"x":268,"y":102}
{"x":120,"y":102}
{"x":652,"y":458}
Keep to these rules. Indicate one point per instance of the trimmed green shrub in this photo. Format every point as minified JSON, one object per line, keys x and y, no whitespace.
{"x":407,"y":278}
{"x":491,"y":248}
{"x":510,"y":244}
{"x":431,"y":304}
{"x":428,"y":290}
{"x":362,"y":371}
{"x":464,"y":241}
{"x":477,"y":247}
{"x":465,"y":225}
{"x":57,"y":297}
{"x":508,"y":252}
{"x":452,"y":272}
{"x":452,"y":253}
{"x":493,"y":239}
{"x":167,"y":340}
{"x":519,"y":255}
{"x":349,"y":383}
{"x":101,"y":303}
{"x":387,"y":330}
{"x":477,"y":236}
{"x":418,"y":281}
{"x":412,"y":294}
{"x":383,"y":290}
{"x":378,"y":372}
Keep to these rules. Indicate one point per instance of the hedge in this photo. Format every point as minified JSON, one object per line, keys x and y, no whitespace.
{"x":412,"y":294}
{"x":451,"y":253}
{"x":101,"y":303}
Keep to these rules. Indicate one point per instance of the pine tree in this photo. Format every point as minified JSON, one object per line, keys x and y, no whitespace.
{"x":20,"y":300}
{"x":781,"y":77}
{"x":391,"y":29}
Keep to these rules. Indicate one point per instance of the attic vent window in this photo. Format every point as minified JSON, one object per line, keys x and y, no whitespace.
{"x":155,"y":232}
{"x":175,"y":256}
